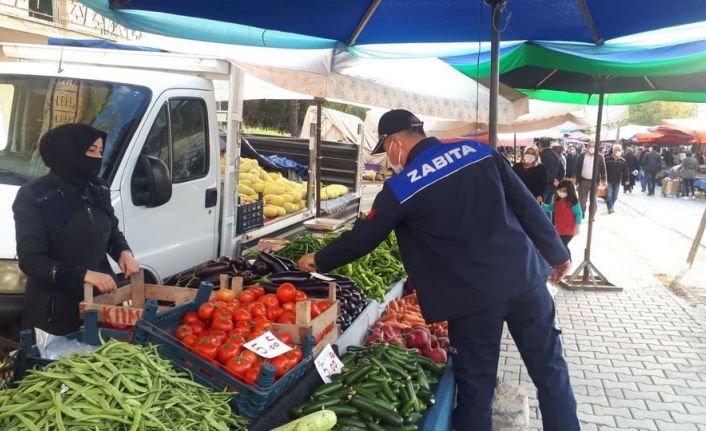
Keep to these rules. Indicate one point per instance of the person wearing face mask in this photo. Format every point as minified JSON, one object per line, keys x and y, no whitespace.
{"x":617,"y":174}
{"x":570,"y":160}
{"x":531,"y":172}
{"x":65,"y":225}
{"x":633,"y":169}
{"x":651,"y":164}
{"x":583,"y":174}
{"x":459,"y":211}
{"x":567,"y":212}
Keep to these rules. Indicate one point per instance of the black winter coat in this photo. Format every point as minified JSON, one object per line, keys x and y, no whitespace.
{"x":61,"y":233}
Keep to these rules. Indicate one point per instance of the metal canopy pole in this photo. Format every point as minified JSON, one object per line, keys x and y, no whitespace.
{"x":497,"y":6}
{"x":319,"y":157}
{"x":587,"y":276}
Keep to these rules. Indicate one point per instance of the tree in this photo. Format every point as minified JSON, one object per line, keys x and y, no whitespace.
{"x":652,"y":113}
{"x":286,"y":116}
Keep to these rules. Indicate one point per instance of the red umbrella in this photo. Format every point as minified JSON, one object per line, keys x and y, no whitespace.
{"x":664,"y":136}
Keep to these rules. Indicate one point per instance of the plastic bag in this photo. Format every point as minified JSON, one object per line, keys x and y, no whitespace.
{"x":55,"y":347}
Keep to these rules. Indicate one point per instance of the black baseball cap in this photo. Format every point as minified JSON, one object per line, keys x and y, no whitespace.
{"x":395,"y":121}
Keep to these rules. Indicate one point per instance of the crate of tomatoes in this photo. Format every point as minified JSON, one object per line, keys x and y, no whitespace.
{"x":208,"y":336}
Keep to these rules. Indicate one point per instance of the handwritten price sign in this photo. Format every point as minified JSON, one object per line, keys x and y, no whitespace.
{"x":328,"y":364}
{"x":267,"y":345}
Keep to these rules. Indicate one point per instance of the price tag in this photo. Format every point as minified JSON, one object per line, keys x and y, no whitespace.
{"x":267,"y":345}
{"x":321,"y":276}
{"x":328,"y":364}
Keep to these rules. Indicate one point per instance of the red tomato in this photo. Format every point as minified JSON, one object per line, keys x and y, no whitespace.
{"x":222,"y":312}
{"x":297,"y":353}
{"x":281,"y":364}
{"x":239,"y":365}
{"x":289,"y":306}
{"x":286,"y":292}
{"x":251,"y":376}
{"x":225,"y":295}
{"x":258,"y":310}
{"x":293,"y":358}
{"x":287,"y":317}
{"x":273,"y":313}
{"x":227,"y":351}
{"x":299,"y":296}
{"x":218,"y":335}
{"x":246,"y":325}
{"x":324,"y":305}
{"x":250,"y":356}
{"x":222,"y":323}
{"x":258,"y":291}
{"x":206,"y":348}
{"x":183,"y":331}
{"x":270,"y":300}
{"x":254,"y":334}
{"x":206,"y":311}
{"x":262,"y":324}
{"x":190,"y":317}
{"x":284,"y":336}
{"x":239,"y":332}
{"x":236,"y":340}
{"x":246,"y":296}
{"x":218,"y":304}
{"x":198,"y":327}
{"x":242,"y":315}
{"x":315,"y":311}
{"x":189,"y":340}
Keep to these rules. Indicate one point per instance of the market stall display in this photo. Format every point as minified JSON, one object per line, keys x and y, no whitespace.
{"x":118,"y":387}
{"x":382,"y":385}
{"x":281,"y":195}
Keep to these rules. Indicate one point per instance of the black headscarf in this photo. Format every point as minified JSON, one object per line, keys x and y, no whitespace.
{"x":63,"y":150}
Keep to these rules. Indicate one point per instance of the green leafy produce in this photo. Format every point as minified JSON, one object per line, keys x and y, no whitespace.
{"x":120,"y":387}
{"x":374,"y":273}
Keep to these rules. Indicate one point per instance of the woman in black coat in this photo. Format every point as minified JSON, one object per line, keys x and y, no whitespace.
{"x":633,"y":168}
{"x":65,"y":225}
{"x":531,"y":172}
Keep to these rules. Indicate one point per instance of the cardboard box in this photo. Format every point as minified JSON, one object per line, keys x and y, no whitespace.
{"x":670,"y":188}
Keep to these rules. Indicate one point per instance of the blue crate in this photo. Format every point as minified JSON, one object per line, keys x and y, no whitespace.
{"x":438,"y":416}
{"x":157,"y":328}
{"x":29,"y":356}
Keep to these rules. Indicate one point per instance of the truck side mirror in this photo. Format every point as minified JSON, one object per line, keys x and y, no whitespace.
{"x":151,"y":182}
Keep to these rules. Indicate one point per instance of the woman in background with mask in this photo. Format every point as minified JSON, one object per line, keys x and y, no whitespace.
{"x":532,"y":173}
{"x":617,"y":173}
{"x":65,"y":225}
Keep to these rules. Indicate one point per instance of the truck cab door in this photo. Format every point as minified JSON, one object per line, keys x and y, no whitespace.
{"x":169,"y":191}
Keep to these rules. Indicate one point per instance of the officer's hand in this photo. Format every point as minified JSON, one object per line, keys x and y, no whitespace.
{"x":307,"y":263}
{"x":103,"y":282}
{"x":128,"y":265}
{"x":560,"y":271}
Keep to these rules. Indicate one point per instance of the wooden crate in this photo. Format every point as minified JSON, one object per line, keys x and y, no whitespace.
{"x":110,"y":306}
{"x":304,"y":324}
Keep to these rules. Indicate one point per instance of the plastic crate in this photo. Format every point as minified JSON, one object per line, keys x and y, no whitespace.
{"x":29,"y":356}
{"x":250,"y":216}
{"x":251,"y":401}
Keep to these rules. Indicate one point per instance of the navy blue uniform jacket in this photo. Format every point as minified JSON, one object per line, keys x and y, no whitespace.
{"x":470,"y":233}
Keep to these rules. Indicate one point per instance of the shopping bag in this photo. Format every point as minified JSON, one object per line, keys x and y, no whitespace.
{"x":602,"y":191}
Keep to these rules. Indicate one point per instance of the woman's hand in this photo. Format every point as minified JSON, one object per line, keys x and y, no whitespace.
{"x":128,"y":265}
{"x":539,"y":200}
{"x":577,"y":230}
{"x":103,"y":282}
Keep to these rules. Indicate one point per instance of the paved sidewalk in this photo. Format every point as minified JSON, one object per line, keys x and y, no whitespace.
{"x":637,"y":358}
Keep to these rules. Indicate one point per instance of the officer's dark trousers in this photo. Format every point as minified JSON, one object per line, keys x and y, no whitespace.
{"x":476,"y":338}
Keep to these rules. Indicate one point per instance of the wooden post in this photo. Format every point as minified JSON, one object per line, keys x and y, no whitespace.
{"x":137,"y":282}
{"x":697,"y":241}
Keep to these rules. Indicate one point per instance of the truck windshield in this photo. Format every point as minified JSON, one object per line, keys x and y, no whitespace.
{"x":31,"y":105}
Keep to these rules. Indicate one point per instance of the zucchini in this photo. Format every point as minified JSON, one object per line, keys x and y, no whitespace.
{"x":372,"y":426}
{"x":386,"y":415}
{"x":323,"y":420}
{"x":328,"y":388}
{"x":343,"y":410}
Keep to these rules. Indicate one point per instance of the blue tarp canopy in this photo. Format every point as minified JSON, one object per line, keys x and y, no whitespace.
{"x":410,"y":21}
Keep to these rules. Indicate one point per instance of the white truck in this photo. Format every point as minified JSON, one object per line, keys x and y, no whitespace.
{"x":162,"y":156}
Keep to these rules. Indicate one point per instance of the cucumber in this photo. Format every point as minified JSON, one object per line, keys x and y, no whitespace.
{"x":343,"y":410}
{"x":372,"y":426}
{"x":386,"y":415}
{"x":319,"y":404}
{"x":328,"y":388}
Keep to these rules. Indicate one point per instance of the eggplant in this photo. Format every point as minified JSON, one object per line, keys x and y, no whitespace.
{"x":214,"y":268}
{"x":240,"y":263}
{"x":291,"y":266}
{"x":294,"y":277}
{"x":261,"y":267}
{"x":273,"y":261}
{"x":249,"y":277}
